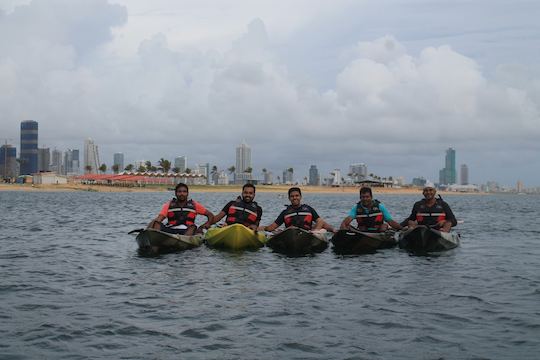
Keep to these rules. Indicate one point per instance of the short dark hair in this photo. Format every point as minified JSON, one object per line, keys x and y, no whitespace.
{"x":248,"y":185}
{"x":181,"y":185}
{"x":366,"y":190}
{"x":293,"y":189}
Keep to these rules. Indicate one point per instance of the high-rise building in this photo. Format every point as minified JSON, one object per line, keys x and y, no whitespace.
{"x":243,"y":163}
{"x":464,"y":174}
{"x":8,"y":161}
{"x":314,"y":177}
{"x":268,"y":177}
{"x":519,"y":186}
{"x":71,"y":161}
{"x":91,"y":156}
{"x":56,"y":162}
{"x":44,"y":159}
{"x":180,"y":162}
{"x":118,"y":160}
{"x":358,"y":172}
{"x":288,"y":176}
{"x":447,"y":176}
{"x":29,"y":147}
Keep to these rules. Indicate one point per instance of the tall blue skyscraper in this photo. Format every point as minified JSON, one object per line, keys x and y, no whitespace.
{"x":29,"y":147}
{"x":447,"y":176}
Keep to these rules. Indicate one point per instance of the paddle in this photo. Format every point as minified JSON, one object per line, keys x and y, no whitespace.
{"x":136,"y":231}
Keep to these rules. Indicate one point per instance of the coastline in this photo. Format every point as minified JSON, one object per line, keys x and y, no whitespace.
{"x":210,"y":188}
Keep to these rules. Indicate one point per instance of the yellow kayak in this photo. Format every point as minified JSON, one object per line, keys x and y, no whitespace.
{"x":235,"y":237}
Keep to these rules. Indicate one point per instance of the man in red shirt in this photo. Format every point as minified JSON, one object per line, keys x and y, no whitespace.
{"x":181,"y":214}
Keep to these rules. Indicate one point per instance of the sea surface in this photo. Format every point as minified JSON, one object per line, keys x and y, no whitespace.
{"x":73,"y":286}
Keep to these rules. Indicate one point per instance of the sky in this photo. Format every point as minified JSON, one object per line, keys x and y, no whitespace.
{"x":391,"y":84}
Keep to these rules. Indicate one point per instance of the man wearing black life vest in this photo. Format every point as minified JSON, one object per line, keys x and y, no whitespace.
{"x":181,"y":213}
{"x":432,"y":212}
{"x":243,"y":210}
{"x":371,"y":215}
{"x":298,"y":215}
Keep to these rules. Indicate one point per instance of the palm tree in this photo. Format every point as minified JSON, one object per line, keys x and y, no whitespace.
{"x":88,"y":169}
{"x":141,"y":168}
{"x":115,"y":168}
{"x":103,"y":168}
{"x":129,"y":167}
{"x":232,"y":169}
{"x":248,"y":170}
{"x":176,"y":170}
{"x":148,"y":164}
{"x":164,"y":165}
{"x":291,"y":170}
{"x":214,"y":169}
{"x":188,"y":171}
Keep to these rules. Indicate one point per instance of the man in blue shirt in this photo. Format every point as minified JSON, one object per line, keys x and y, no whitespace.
{"x":370,"y":215}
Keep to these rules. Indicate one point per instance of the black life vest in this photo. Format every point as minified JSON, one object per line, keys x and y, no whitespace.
{"x":243,"y":213}
{"x":370,"y":220}
{"x":181,"y":215}
{"x":430,"y":216}
{"x":300,"y":217}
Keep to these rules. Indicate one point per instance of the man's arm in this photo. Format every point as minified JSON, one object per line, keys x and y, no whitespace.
{"x":209,"y":220}
{"x":218,"y":217}
{"x":388,"y":218}
{"x":346,"y":223}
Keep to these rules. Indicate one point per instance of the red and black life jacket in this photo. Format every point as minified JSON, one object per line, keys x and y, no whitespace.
{"x":430,"y":216}
{"x":300,"y":217}
{"x":243,"y":213}
{"x":371,"y":218}
{"x":181,"y":215}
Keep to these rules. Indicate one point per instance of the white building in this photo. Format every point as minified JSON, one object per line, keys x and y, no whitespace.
{"x":48,"y":178}
{"x":337,"y":177}
{"x":243,"y":162}
{"x":91,"y":156}
{"x":180,"y":162}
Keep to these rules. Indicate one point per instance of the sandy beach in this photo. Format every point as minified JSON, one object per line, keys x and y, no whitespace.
{"x":207,"y":188}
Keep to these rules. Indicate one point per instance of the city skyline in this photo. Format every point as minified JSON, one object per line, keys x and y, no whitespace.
{"x":389,"y":84}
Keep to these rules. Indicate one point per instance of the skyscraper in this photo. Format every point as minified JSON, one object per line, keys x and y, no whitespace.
{"x":180,"y":162}
{"x":71,"y":161}
{"x":314,"y":177}
{"x":447,"y":175}
{"x":243,"y":163}
{"x":56,"y":161}
{"x":464,"y":174}
{"x":358,"y":172}
{"x":29,"y":147}
{"x":44,"y":159}
{"x":118,"y":160}
{"x":8,"y":162}
{"x":91,"y":156}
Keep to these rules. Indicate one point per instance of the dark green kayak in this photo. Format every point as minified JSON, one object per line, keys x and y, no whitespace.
{"x":155,"y":241}
{"x":296,"y":241}
{"x":425,"y":239}
{"x":358,"y":242}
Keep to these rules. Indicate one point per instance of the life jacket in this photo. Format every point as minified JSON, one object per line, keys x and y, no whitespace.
{"x":300,"y":217}
{"x":178,"y":215}
{"x":243,"y":213}
{"x":430,"y":216}
{"x":370,"y":220}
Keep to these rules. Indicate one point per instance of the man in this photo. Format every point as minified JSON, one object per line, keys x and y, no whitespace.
{"x":180,"y":214}
{"x":298,"y":214}
{"x":370,"y":214}
{"x":243,"y":210}
{"x":432,"y":212}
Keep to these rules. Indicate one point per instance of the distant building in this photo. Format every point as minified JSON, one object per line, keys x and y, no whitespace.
{"x":71,"y":162}
{"x":56,"y":162}
{"x":314,"y":176}
{"x":91,"y":156}
{"x":203,"y":170}
{"x":358,"y":172}
{"x":464,"y":174}
{"x":8,"y":161}
{"x":419,"y":181}
{"x":288,"y":176}
{"x":49,"y":178}
{"x":29,"y":147}
{"x":243,"y":169}
{"x":447,"y":175}
{"x":337,"y":177}
{"x":118,"y":159}
{"x":223,"y":178}
{"x":44,"y":159}
{"x":180,"y":162}
{"x":519,"y":186}
{"x":268,"y":177}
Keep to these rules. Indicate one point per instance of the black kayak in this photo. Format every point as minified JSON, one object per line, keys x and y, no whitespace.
{"x":425,"y":239}
{"x":296,"y":241}
{"x":155,"y":241}
{"x":360,"y":242}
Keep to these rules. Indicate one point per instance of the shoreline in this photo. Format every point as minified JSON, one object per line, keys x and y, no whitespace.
{"x":218,"y":188}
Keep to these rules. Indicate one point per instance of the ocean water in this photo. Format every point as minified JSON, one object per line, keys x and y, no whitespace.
{"x":73,"y":286}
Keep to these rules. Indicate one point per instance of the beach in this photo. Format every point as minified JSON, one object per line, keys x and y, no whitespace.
{"x":210,"y":188}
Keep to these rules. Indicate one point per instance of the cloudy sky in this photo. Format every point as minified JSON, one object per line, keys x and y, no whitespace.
{"x":388,"y":83}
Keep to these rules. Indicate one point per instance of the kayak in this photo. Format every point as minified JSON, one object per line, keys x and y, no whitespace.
{"x":359,"y":242}
{"x":425,"y":239}
{"x":155,"y":241}
{"x":298,"y":241}
{"x":234,"y":237}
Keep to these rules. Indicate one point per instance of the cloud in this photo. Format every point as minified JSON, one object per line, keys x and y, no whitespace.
{"x":389,"y":106}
